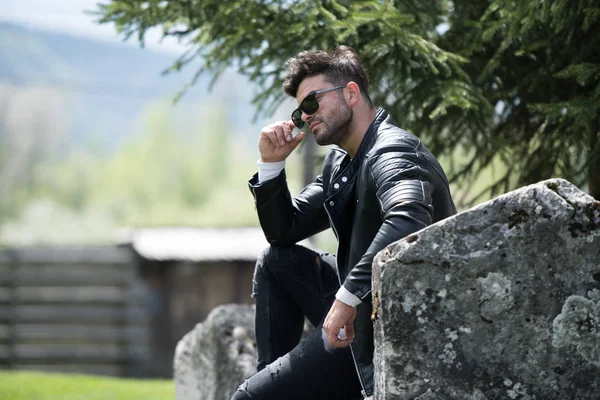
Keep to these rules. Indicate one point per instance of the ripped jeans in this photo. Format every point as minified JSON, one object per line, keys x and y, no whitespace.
{"x":289,"y":284}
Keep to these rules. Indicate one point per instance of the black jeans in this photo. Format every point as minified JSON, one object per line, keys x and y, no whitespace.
{"x":289,"y":284}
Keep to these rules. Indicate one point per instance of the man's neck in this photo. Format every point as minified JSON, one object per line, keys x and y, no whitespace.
{"x":360,"y":123}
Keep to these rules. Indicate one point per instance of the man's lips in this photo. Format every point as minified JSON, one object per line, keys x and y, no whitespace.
{"x":312,"y":125}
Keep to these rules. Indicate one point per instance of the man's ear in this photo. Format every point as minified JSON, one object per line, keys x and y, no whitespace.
{"x":352,"y":93}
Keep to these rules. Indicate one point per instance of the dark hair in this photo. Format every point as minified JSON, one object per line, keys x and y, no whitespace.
{"x":339,"y":66}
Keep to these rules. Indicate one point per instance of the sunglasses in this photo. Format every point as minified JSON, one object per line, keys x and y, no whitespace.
{"x":309,"y":106}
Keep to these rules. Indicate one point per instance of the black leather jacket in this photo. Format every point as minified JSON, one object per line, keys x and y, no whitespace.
{"x":392,"y":187}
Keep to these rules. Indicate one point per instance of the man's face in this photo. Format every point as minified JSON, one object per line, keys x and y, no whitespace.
{"x":330,"y":123}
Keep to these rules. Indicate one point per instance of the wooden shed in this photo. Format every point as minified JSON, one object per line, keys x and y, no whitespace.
{"x":119,"y":310}
{"x":188,"y":272}
{"x":72,"y":309}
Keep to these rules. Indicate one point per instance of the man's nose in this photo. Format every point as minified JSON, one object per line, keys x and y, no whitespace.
{"x":306,"y":117}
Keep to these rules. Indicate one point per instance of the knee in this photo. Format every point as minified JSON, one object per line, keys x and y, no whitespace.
{"x":269,"y":263}
{"x":276,"y":254}
{"x":273,"y":257}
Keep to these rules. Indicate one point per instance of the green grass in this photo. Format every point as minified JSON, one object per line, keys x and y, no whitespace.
{"x":45,"y":386}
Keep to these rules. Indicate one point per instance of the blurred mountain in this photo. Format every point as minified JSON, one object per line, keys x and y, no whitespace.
{"x":108,"y":86}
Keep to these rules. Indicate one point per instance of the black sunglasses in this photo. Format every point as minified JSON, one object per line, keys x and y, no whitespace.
{"x":309,"y":106}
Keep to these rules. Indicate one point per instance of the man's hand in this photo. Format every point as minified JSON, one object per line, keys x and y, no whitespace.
{"x":340,"y":315}
{"x":276,"y":141}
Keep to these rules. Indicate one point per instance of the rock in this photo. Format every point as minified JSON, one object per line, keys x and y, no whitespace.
{"x":498,"y":302}
{"x":217,"y":355}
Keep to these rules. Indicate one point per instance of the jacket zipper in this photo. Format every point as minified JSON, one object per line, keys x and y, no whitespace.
{"x":362,"y":385}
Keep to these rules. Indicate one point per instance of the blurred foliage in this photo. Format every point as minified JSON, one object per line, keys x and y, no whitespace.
{"x":502,"y":82}
{"x":33,"y":122}
{"x":195,"y":177}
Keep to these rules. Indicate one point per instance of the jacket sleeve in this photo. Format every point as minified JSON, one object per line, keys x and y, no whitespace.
{"x":286,"y":221}
{"x":402,"y":184}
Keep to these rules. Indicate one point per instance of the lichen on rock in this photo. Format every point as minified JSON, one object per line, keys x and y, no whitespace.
{"x":496,"y":295}
{"x":579,"y":324}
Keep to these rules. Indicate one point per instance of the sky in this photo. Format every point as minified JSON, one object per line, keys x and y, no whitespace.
{"x":68,"y":16}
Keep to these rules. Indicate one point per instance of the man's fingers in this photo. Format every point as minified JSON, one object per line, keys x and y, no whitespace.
{"x":296,"y":140}
{"x":270,"y":134}
{"x":280,"y":133}
{"x":332,"y":337}
{"x":331,"y":333}
{"x":339,"y":343}
{"x":349,"y":331}
{"x":336,"y":337}
{"x":283,"y":130}
{"x":287,"y":132}
{"x":343,"y":338}
{"x":291,"y":124}
{"x":276,"y":141}
{"x":336,"y":341}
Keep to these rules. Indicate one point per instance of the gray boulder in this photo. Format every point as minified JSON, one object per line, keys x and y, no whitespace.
{"x":217,"y":355}
{"x":498,"y":302}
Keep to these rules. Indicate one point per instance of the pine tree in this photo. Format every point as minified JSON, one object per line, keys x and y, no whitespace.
{"x":509,"y":81}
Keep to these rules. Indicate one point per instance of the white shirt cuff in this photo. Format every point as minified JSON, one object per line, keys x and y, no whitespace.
{"x":346,"y":297}
{"x":269,"y":170}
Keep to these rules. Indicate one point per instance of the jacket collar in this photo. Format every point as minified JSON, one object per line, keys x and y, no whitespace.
{"x":365,"y":145}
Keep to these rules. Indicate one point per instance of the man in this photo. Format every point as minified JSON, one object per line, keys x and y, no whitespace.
{"x":378,"y":184}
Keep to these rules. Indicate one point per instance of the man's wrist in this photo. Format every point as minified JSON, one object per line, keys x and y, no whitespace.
{"x":269,"y":170}
{"x":347,"y":298}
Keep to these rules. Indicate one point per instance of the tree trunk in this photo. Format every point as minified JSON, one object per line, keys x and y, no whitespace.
{"x":594,"y":169}
{"x":308,"y":159}
{"x":308,"y":170}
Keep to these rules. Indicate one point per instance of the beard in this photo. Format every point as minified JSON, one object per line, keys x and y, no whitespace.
{"x":335,"y":129}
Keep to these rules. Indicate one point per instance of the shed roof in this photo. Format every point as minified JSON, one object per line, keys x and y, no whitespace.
{"x":198,"y":244}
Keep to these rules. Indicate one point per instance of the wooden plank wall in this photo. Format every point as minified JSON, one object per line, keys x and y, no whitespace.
{"x":73,"y":310}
